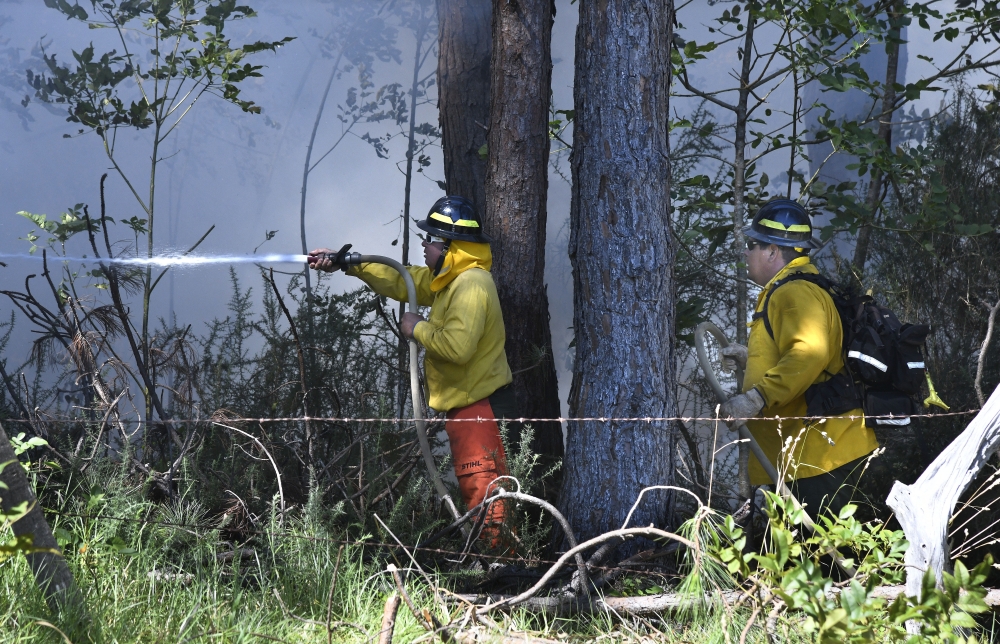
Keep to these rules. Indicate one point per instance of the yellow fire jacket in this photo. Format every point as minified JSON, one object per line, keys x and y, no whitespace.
{"x":464,"y":333}
{"x":806,"y":349}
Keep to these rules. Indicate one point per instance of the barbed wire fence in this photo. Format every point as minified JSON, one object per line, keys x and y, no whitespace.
{"x":560,"y":419}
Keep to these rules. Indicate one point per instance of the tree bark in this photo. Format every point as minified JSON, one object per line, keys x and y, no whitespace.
{"x":463,"y":79}
{"x":739,"y":219}
{"x":47,"y":564}
{"x":623,"y":258}
{"x":515,"y":213}
{"x":874,"y":197}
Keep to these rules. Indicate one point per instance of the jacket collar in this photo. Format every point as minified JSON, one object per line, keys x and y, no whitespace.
{"x":462,"y":256}
{"x":797,"y":265}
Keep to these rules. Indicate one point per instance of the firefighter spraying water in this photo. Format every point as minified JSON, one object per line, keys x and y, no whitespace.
{"x":466,"y":366}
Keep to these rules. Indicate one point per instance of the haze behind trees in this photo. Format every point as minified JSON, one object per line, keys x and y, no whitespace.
{"x":242,"y":172}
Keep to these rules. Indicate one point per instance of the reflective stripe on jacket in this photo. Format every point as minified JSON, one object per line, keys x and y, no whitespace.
{"x":806,"y":349}
{"x":464,"y":333}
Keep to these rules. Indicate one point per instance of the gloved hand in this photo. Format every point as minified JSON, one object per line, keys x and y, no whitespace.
{"x":733,"y":356}
{"x":743,"y":406}
{"x":408,"y":322}
{"x":328,"y":261}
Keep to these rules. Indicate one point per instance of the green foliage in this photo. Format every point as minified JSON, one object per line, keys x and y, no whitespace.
{"x":90,"y":88}
{"x":13,"y":546}
{"x":17,"y":545}
{"x":700,"y":226}
{"x":532,"y":528}
{"x":21,"y":445}
{"x":172,"y":53}
{"x":796,"y":571}
{"x":704,"y":573}
{"x":68,"y":224}
{"x":837,"y":33}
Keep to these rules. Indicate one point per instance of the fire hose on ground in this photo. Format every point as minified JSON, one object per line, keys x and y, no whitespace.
{"x":744,"y":432}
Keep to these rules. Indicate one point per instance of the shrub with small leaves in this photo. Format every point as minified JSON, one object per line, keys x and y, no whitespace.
{"x":795,"y":581}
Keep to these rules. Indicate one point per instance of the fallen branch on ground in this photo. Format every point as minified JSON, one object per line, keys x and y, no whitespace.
{"x":568,"y":605}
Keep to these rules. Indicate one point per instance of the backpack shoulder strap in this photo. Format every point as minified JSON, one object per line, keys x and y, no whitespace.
{"x":816,"y":279}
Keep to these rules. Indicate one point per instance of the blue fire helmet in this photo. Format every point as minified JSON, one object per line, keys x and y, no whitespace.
{"x":782,"y":222}
{"x":454,"y":217}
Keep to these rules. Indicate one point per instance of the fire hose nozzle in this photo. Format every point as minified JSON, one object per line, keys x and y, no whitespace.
{"x":343,"y":258}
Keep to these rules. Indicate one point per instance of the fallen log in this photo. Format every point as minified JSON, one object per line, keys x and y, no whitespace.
{"x":566,"y":606}
{"x":924,"y":509}
{"x":230,"y":555}
{"x":483,"y":636}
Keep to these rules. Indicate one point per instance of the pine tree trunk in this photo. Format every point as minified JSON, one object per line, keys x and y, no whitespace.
{"x":515,"y":213}
{"x":623,"y":259}
{"x":51,"y":573}
{"x":463,"y":79}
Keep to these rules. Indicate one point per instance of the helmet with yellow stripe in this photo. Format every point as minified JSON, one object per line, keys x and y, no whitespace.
{"x":454,"y":217}
{"x":782,"y":222}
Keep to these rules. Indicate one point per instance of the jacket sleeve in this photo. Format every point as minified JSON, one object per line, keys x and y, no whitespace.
{"x":456,"y":337}
{"x":386,"y":281}
{"x":803,"y":335}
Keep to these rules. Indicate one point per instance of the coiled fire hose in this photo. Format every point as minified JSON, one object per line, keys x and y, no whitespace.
{"x":772,"y":473}
{"x":353,"y":259}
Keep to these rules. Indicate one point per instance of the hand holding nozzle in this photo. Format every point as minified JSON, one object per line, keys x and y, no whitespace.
{"x":329,"y":261}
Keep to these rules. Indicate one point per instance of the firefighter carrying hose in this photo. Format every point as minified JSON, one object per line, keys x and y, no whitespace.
{"x":463,"y":337}
{"x":794,"y":367}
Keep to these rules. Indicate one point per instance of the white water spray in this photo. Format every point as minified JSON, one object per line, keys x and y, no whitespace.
{"x":170,"y":260}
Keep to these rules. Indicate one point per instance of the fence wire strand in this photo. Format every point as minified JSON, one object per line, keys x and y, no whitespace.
{"x":561,"y":419}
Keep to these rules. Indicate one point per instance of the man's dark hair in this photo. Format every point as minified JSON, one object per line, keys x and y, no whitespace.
{"x":788,"y":253}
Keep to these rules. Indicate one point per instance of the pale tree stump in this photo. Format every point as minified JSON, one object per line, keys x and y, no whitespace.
{"x":924,"y":509}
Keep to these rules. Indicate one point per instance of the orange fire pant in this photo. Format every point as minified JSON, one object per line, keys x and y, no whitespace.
{"x":477,"y":450}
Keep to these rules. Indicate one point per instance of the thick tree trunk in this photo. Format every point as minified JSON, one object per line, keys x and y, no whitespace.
{"x":515,"y":213}
{"x":463,"y":79}
{"x":51,"y":573}
{"x":623,"y":259}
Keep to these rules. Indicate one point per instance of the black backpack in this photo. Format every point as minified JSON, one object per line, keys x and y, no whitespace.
{"x":883,"y":359}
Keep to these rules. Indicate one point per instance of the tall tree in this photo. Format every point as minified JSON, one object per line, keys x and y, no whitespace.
{"x":515,"y":212}
{"x":874,"y":196}
{"x":463,"y":75}
{"x":623,"y":258}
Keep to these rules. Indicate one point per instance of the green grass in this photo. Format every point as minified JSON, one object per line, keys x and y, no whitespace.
{"x":113,"y":538}
{"x":240,"y":603}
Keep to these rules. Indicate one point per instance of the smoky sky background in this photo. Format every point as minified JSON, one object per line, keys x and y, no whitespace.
{"x":243,"y":172}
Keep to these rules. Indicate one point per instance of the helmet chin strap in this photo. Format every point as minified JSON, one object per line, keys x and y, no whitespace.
{"x":440,"y":263}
